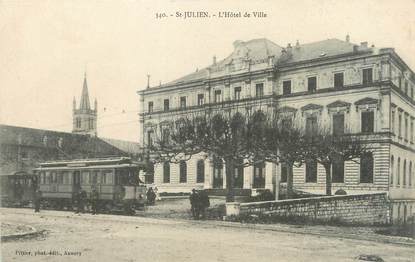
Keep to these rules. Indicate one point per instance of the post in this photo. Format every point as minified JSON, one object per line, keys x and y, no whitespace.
{"x":233,"y":209}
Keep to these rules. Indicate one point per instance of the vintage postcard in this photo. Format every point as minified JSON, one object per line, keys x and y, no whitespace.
{"x":190,"y":130}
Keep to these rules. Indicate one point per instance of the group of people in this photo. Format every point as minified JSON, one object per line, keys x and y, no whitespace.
{"x":152,"y":195}
{"x":199,"y":201}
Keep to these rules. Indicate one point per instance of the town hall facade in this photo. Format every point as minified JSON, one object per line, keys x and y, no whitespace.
{"x":336,"y":84}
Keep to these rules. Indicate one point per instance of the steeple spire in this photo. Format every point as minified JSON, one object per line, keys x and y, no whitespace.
{"x":85,"y":105}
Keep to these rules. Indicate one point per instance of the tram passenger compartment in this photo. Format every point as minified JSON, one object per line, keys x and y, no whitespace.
{"x":115,"y":179}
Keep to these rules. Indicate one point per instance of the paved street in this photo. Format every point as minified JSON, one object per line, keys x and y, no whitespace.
{"x":121,"y":238}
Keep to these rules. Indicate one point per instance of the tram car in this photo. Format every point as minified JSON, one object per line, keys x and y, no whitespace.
{"x":115,"y":179}
{"x":17,"y":189}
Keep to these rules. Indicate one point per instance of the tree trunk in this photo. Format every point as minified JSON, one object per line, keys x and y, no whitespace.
{"x":327,"y":167}
{"x":230,"y":196}
{"x":290,"y":178}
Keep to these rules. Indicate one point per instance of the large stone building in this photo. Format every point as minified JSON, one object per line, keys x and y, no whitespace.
{"x":346,"y":87}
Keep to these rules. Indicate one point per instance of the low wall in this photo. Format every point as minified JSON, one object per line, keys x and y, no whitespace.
{"x":368,"y":209}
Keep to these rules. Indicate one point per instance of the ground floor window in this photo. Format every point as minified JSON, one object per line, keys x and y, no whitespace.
{"x":239,"y":174}
{"x":259,"y":175}
{"x":366,"y":168}
{"x":217,"y":173}
{"x":166,"y":172}
{"x":285,"y":172}
{"x":311,"y":172}
{"x":183,"y":172}
{"x":200,"y":172}
{"x":338,"y":171}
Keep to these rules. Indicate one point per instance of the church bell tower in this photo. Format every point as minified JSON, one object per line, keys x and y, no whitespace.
{"x":84,"y":117}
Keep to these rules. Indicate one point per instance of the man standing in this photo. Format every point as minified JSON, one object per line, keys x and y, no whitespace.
{"x":37,"y":200}
{"x":94,"y":201}
{"x":194,"y":203}
{"x":204,"y":203}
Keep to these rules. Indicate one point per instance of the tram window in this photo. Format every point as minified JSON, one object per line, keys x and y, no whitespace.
{"x":47,"y":178}
{"x":103,"y":178}
{"x":65,"y":178}
{"x":53,"y":177}
{"x":110,"y":179}
{"x":94,"y":177}
{"x":85,"y":178}
{"x":42,"y":177}
{"x":60,"y":178}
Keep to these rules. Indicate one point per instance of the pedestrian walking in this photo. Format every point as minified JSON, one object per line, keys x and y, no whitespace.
{"x":203,"y":203}
{"x":151,"y":196}
{"x":156,"y":191}
{"x":37,"y":200}
{"x":94,"y":201}
{"x":194,"y":203}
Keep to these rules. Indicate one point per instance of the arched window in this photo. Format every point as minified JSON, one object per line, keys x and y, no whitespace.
{"x":259,"y":175}
{"x":166,"y":172}
{"x":239,"y":174}
{"x":410,"y":174}
{"x":366,"y":168}
{"x":404,"y":173}
{"x":391,"y":171}
{"x":183,"y":172}
{"x":200,"y":172}
{"x":398,"y":173}
{"x":217,"y":172}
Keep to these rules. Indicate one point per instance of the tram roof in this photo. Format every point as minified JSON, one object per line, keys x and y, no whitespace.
{"x":63,"y":168}
{"x":92,"y":162}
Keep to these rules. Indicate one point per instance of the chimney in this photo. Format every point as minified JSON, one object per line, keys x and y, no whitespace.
{"x":214,"y":60}
{"x":348,"y":38}
{"x":355,"y":48}
{"x":297,"y":44}
{"x":363,"y":44}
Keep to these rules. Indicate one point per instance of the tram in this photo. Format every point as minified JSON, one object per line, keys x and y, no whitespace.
{"x":115,"y":179}
{"x":17,"y":189}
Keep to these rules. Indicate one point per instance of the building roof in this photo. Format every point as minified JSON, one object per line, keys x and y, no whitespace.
{"x":261,"y":49}
{"x":125,"y":146}
{"x":325,"y":48}
{"x":67,"y":144}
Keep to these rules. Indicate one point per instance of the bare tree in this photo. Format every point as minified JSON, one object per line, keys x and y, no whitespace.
{"x":221,"y":135}
{"x":325,"y":148}
{"x":279,"y":141}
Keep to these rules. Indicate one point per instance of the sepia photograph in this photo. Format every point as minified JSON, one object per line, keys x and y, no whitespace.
{"x":191,"y":130}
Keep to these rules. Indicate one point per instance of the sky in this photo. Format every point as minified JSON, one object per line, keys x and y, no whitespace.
{"x":47,"y":46}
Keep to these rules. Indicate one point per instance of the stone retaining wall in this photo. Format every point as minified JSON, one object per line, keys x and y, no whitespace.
{"x":368,"y":209}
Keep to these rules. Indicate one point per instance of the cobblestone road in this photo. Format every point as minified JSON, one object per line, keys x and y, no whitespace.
{"x":120,"y":238}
